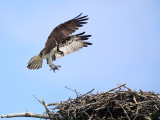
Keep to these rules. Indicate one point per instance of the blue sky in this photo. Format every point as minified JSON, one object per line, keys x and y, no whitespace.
{"x":125,"y":37}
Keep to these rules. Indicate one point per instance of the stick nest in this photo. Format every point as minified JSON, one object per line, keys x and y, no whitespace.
{"x":120,"y":103}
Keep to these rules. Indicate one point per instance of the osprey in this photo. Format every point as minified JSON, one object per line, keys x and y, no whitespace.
{"x":60,"y":43}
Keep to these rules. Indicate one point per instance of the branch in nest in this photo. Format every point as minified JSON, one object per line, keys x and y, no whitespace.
{"x":29,"y":114}
{"x":116,"y":88}
{"x":73,"y":90}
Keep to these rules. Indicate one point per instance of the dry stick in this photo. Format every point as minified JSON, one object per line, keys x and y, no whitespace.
{"x":76,"y":92}
{"x":38,"y":99}
{"x":86,"y":113}
{"x":156,"y":107}
{"x":28,"y":114}
{"x":134,"y":99}
{"x":73,"y":90}
{"x":123,"y":109}
{"x":137,"y":111}
{"x":52,"y":104}
{"x":110,"y":113}
{"x":43,"y":103}
{"x":86,"y":93}
{"x":127,"y":88}
{"x":90,"y":91}
{"x":47,"y":110}
{"x":116,"y":88}
{"x":58,"y":104}
{"x":90,"y":118}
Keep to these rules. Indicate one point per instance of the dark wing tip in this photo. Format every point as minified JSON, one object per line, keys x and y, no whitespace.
{"x":88,"y":43}
{"x":80,"y":34}
{"x":85,"y":37}
{"x":79,"y":15}
{"x":83,"y":18}
{"x":83,"y":22}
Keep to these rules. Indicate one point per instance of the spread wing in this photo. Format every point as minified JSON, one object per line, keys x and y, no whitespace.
{"x":73,"y":44}
{"x":61,"y":32}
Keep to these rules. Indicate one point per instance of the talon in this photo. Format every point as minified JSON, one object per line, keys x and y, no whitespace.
{"x":58,"y":66}
{"x":55,"y":67}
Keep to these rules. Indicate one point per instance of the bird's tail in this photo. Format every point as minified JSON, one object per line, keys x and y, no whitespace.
{"x":35,"y":62}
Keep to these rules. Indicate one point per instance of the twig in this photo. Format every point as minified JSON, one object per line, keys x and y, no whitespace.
{"x":73,"y":90}
{"x":47,"y":110}
{"x":123,"y":110}
{"x":127,"y":88}
{"x":86,"y":94}
{"x":134,"y":98}
{"x":38,"y":99}
{"x":116,"y":88}
{"x":52,"y":104}
{"x":110,"y":113}
{"x":43,"y":103}
{"x":76,"y":92}
{"x":90,"y":91}
{"x":86,"y":113}
{"x":29,"y":114}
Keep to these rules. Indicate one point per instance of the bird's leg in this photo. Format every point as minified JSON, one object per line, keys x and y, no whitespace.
{"x":54,"y":67}
{"x":51,"y":65}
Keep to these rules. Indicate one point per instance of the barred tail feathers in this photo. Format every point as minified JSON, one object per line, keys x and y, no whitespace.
{"x":35,"y":62}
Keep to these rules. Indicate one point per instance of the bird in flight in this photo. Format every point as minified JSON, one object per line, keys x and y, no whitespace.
{"x":60,"y":43}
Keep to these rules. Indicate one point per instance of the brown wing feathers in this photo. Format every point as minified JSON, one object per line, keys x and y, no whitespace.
{"x":70,"y":26}
{"x":61,"y":32}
